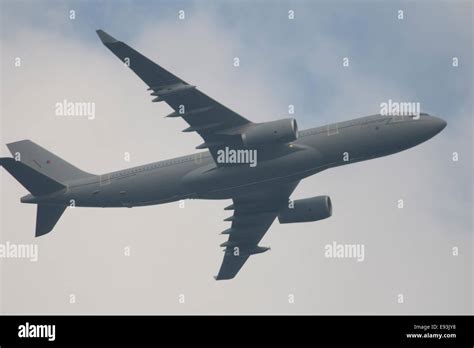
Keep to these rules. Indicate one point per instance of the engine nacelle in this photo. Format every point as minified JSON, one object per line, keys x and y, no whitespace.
{"x":281,"y":131}
{"x":305,"y":210}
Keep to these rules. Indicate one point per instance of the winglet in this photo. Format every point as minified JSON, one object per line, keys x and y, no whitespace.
{"x":104,"y":37}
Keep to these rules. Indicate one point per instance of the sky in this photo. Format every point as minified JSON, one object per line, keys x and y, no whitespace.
{"x":82,"y":267}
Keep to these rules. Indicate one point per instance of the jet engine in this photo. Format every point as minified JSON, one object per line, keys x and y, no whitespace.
{"x":305,"y":210}
{"x":281,"y":131}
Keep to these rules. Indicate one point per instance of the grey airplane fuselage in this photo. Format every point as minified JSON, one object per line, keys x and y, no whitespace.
{"x":197,"y":176}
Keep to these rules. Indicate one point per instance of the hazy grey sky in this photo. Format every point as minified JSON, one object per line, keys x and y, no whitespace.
{"x":176,"y":251}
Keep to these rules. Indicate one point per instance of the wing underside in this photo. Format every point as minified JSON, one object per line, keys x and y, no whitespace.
{"x":219,"y":127}
{"x":253,"y":216}
{"x":216,"y":124}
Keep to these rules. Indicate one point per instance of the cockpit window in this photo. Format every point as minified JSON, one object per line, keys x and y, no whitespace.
{"x":396,"y":119}
{"x":421,"y":114}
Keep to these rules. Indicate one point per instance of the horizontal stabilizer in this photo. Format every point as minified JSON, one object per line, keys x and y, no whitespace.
{"x":46,"y":217}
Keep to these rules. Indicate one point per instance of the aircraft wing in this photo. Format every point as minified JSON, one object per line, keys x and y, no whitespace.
{"x":253,"y":216}
{"x":216,"y":124}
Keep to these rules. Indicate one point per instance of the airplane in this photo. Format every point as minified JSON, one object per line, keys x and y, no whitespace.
{"x":259,"y":193}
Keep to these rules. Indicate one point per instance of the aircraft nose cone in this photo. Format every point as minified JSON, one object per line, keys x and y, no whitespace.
{"x":420,"y":130}
{"x":437,"y":124}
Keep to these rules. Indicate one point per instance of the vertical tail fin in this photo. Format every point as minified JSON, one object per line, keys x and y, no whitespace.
{"x":38,"y":184}
{"x":41,"y":172}
{"x":35,"y":182}
{"x":45,"y":162}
